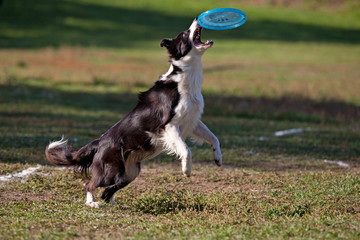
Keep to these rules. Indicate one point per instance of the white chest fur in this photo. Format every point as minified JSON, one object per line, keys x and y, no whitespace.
{"x":188,"y":112}
{"x":191,"y":104}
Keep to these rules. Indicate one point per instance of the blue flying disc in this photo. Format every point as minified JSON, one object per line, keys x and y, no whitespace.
{"x":222,"y":18}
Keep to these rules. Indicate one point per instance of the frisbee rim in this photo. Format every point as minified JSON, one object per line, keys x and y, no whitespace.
{"x":216,"y":10}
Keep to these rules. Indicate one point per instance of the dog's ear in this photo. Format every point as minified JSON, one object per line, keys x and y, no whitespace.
{"x":166,"y":42}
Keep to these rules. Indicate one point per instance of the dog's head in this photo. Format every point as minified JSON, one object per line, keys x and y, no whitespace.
{"x":187,"y":43}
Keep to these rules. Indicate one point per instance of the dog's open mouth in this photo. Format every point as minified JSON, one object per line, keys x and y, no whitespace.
{"x":197,"y":38}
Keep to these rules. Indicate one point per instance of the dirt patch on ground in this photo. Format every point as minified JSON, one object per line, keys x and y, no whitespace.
{"x":205,"y":178}
{"x":9,"y":195}
{"x":68,"y":64}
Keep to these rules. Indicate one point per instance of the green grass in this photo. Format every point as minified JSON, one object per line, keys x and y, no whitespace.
{"x":250,"y":205}
{"x":75,"y":68}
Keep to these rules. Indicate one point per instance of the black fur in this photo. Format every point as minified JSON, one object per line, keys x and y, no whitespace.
{"x":179,"y":46}
{"x":176,"y":70}
{"x":108,"y":154}
{"x":154,"y":110}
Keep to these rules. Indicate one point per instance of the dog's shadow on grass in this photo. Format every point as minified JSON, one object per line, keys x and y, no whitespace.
{"x":288,"y":108}
{"x":41,"y":23}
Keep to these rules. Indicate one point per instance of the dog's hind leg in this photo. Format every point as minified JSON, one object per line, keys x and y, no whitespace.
{"x":202,"y":133}
{"x":132,"y":170}
{"x":108,"y":194}
{"x":90,"y":187}
{"x":90,"y":198}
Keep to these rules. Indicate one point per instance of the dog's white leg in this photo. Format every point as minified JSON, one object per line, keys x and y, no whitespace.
{"x":90,"y":200}
{"x":203,"y":133}
{"x":175,"y":143}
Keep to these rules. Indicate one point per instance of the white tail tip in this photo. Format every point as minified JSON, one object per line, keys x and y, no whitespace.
{"x":55,"y":144}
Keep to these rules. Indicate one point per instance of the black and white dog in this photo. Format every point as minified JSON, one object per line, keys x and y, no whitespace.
{"x":163,"y":118}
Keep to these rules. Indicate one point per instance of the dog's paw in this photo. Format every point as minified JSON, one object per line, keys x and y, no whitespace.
{"x":187,"y":171}
{"x":217,"y":157}
{"x":187,"y":174}
{"x":218,"y":162}
{"x":93,"y":204}
{"x":186,"y":168}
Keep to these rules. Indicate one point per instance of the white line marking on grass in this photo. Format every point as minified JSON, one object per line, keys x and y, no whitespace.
{"x":290,"y":131}
{"x":286,"y":132}
{"x":21,"y":174}
{"x":340,"y":163}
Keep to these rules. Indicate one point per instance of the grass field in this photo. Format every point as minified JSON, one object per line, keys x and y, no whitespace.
{"x":74,"y":68}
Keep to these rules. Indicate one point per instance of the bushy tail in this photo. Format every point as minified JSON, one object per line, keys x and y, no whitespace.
{"x":59,"y":153}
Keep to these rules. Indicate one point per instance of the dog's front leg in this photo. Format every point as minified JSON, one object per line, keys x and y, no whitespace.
{"x":201,"y":132}
{"x":175,"y":143}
